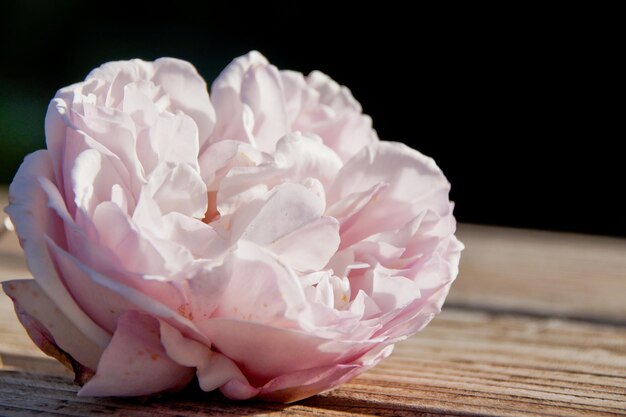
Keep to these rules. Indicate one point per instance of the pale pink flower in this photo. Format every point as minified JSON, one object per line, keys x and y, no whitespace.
{"x":263,"y":240}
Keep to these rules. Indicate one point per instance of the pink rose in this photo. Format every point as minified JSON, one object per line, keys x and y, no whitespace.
{"x":263,"y":240}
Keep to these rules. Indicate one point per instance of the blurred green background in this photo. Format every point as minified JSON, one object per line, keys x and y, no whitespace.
{"x":510,"y":101}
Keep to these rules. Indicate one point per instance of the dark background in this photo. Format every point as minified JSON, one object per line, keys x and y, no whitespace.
{"x":519,"y":106}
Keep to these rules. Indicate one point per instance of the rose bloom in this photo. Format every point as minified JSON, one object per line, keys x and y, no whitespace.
{"x":263,"y":240}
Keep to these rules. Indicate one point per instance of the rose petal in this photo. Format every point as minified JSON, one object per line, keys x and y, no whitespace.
{"x":159,"y":299}
{"x":273,"y":296}
{"x":135,"y":363}
{"x":34,"y":306}
{"x":173,"y":138}
{"x":226,"y":97}
{"x":287,"y":208}
{"x":213,"y":368}
{"x":412,"y":177}
{"x":300,"y":156}
{"x":414,"y":184}
{"x":309,"y":247}
{"x":302,"y":384}
{"x":32,"y":220}
{"x":188,"y":92}
{"x":277,"y":351}
{"x":262,"y":93}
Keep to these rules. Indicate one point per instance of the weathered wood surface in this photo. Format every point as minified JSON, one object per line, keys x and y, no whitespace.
{"x":535,"y":325}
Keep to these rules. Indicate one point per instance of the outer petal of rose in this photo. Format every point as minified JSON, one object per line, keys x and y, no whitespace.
{"x":319,"y":105}
{"x":178,"y":79}
{"x":32,"y":220}
{"x":116,"y":75}
{"x":303,"y":384}
{"x":415,"y":184}
{"x":344,"y":209}
{"x":110,"y":128}
{"x":187,"y":91}
{"x":348,"y":131}
{"x":412,"y":177}
{"x":442,"y":266}
{"x":439,"y":273}
{"x":56,"y":133}
{"x":347,"y":134}
{"x":66,"y":141}
{"x":226,"y":97}
{"x":155,"y":298}
{"x":400,"y":324}
{"x":213,"y":368}
{"x":49,"y":328}
{"x":86,"y":293}
{"x":331,"y":94}
{"x":277,"y":351}
{"x":135,"y":363}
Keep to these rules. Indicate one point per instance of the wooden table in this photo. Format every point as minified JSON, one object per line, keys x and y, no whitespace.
{"x":534,"y":325}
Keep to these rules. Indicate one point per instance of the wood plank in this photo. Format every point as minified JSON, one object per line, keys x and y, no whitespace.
{"x":464,"y":363}
{"x":542,"y":273}
{"x":12,"y":263}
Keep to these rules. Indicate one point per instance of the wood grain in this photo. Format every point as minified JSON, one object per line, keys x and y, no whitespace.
{"x":534,"y":326}
{"x":463,"y":363}
{"x":542,"y":273}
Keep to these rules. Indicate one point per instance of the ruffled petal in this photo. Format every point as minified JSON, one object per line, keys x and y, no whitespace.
{"x":233,"y":119}
{"x":412,"y":184}
{"x":187,"y":91}
{"x":212,"y":368}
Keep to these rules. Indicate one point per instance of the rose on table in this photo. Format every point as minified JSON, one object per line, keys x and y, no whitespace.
{"x":262,"y":239}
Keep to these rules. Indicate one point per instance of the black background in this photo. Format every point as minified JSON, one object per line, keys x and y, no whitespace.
{"x":519,"y":106}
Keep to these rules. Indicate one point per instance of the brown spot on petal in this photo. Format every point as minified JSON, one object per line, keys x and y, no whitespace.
{"x":155,"y":356}
{"x":344,"y":298}
{"x":11,"y":287}
{"x":185,"y":311}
